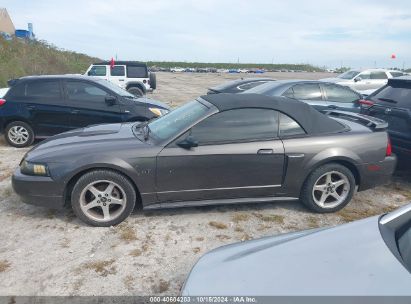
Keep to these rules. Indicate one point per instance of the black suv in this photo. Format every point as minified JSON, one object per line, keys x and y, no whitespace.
{"x":41,"y":106}
{"x":392,"y":103}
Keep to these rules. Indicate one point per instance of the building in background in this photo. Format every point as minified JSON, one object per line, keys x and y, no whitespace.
{"x":7,"y":29}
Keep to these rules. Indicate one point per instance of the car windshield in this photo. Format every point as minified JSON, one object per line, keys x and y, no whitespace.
{"x":263,"y":88}
{"x":348,"y":75}
{"x":115,"y":88}
{"x":174,"y":122}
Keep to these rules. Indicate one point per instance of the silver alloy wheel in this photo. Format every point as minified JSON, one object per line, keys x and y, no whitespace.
{"x":331,"y":189}
{"x":103,"y":200}
{"x":18,"y":135}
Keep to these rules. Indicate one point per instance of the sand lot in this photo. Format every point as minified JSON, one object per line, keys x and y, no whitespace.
{"x":46,"y":252}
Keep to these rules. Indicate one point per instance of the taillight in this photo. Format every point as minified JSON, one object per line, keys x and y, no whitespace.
{"x":388,"y":151}
{"x":2,"y":102}
{"x":366,"y":103}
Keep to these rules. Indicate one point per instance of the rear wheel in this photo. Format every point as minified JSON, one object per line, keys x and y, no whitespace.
{"x":19,"y":134}
{"x":135,"y":91}
{"x":103,"y":198}
{"x":329,"y":188}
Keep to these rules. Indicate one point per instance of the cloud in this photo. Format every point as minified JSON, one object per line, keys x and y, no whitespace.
{"x":319,"y":32}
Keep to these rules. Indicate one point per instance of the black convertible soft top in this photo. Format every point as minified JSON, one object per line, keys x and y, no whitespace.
{"x":309,"y":118}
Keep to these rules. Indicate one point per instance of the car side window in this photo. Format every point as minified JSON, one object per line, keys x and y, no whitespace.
{"x":97,"y":70}
{"x":136,"y":72}
{"x":378,"y":75}
{"x":85,"y":92}
{"x":396,"y":74}
{"x":247,"y":86}
{"x":117,"y":70}
{"x":307,"y":91}
{"x":364,"y":75}
{"x":289,"y":93}
{"x":289,"y":127}
{"x":43,"y":89}
{"x":17,"y":91}
{"x":239,"y":125}
{"x":340,"y":94}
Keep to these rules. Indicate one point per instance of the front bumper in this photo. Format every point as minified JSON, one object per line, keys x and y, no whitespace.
{"x":377,"y":174}
{"x":38,"y":190}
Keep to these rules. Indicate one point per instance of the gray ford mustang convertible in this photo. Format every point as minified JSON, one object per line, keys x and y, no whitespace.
{"x":218,"y":149}
{"x":370,"y":257}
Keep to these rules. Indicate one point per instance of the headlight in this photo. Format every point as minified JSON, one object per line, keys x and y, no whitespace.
{"x":158,"y":112}
{"x":28,"y":168}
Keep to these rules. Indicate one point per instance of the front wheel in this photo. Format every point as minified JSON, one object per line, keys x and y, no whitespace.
{"x":103,"y":198}
{"x":328,"y":188}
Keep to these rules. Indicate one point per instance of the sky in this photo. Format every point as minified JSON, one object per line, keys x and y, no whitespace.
{"x":353,"y":33}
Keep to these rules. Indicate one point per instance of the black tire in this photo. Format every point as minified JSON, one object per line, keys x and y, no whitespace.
{"x":136,"y":91}
{"x":153,"y":80}
{"x":99,"y":178}
{"x":309,"y":196}
{"x":13,"y":140}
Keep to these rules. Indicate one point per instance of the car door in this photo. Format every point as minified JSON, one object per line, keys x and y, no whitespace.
{"x":309,"y":93}
{"x":239,"y":155}
{"x":362,"y":81}
{"x":45,"y":107}
{"x":118,"y":75}
{"x":378,"y":79}
{"x":341,"y":98}
{"x":88,"y":104}
{"x":98,"y":71}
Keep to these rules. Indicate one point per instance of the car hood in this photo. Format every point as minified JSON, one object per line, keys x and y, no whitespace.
{"x":335,"y":80}
{"x":152,"y":102}
{"x":85,"y":140}
{"x":350,"y":259}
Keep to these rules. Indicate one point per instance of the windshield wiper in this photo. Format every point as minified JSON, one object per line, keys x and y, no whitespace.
{"x":388,"y":100}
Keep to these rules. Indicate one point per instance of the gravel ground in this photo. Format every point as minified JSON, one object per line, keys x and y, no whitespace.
{"x":46,"y":252}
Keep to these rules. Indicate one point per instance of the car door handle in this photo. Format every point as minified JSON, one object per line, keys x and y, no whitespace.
{"x":265,"y":151}
{"x":332,"y":107}
{"x":75,"y":111}
{"x":31,"y":107}
{"x":121,"y":80}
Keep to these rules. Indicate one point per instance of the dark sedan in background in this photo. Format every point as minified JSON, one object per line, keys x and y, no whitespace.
{"x":239,"y":85}
{"x":370,"y":257}
{"x":218,"y":149}
{"x":321,"y":95}
{"x":41,"y":106}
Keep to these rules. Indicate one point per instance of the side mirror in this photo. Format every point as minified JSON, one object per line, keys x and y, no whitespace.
{"x":89,"y":73}
{"x":188,"y":143}
{"x":111,"y":100}
{"x":356,"y":79}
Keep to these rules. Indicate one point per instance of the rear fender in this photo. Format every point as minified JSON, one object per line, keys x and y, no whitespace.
{"x":137,"y":84}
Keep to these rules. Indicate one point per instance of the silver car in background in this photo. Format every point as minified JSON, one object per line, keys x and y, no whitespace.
{"x":369,"y":257}
{"x":365,"y":80}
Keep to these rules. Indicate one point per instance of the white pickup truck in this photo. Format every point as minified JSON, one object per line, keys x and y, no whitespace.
{"x":132,"y":76}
